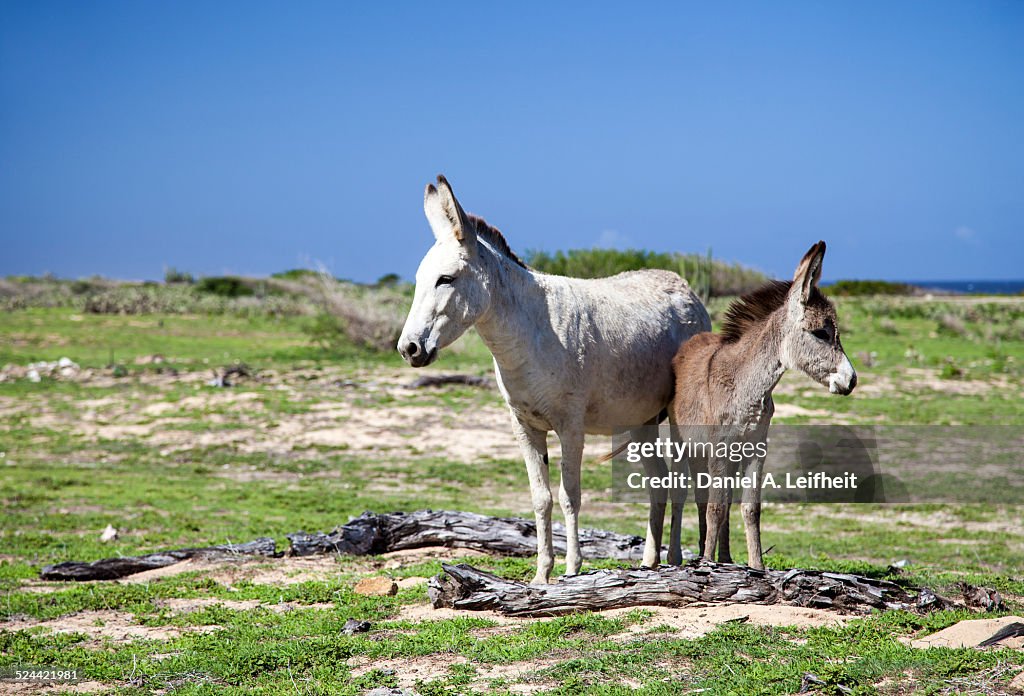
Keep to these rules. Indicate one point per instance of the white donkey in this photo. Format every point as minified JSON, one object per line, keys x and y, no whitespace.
{"x":570,"y":355}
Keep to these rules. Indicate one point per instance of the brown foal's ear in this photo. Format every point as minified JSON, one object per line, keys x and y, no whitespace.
{"x":808,"y":272}
{"x":446,"y":217}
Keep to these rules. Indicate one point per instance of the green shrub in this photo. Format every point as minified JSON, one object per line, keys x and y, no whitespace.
{"x":888,"y":327}
{"x":869,"y":287}
{"x":81,"y":287}
{"x":709,"y":277}
{"x":224,"y":286}
{"x":295,"y":274}
{"x":950,"y":324}
{"x":173,"y":275}
{"x":950,"y":369}
{"x":388,"y":280}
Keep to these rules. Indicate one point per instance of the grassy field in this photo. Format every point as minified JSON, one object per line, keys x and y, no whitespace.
{"x":138,"y":439}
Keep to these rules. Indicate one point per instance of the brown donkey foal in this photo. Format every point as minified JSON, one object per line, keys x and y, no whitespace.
{"x":724,"y":384}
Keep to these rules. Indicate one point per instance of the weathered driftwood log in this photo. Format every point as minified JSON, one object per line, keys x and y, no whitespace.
{"x":464,"y":587}
{"x":371,"y":533}
{"x":444,"y":380}
{"x":113,"y":568}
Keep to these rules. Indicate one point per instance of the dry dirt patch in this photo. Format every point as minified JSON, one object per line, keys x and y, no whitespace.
{"x":935,"y":520}
{"x":338,"y":418}
{"x":466,"y":436}
{"x":969,"y":634}
{"x":100,"y":625}
{"x":414,"y":613}
{"x":408,"y":671}
{"x":784,"y":410}
{"x":189,"y":605}
{"x":696,"y":620}
{"x":282,"y":571}
{"x":691,"y":621}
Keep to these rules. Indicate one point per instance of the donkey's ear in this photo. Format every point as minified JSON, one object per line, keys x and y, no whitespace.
{"x":446,"y":217}
{"x":808,"y":272}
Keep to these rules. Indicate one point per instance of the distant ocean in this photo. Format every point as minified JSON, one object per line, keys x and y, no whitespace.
{"x":980,"y":287}
{"x":964,"y":287}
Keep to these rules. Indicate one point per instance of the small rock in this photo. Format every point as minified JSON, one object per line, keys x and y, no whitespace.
{"x":109,"y":534}
{"x":810,"y":682}
{"x":353,"y":626}
{"x":1018,"y":682}
{"x":377,"y":587}
{"x":33,"y":375}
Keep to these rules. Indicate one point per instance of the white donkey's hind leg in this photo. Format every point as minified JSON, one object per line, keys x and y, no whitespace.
{"x":570,"y":497}
{"x":654,"y":467}
{"x":534,"y":445}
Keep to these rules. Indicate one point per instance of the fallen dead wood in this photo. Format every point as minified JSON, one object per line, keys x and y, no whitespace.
{"x":371,"y":533}
{"x":464,"y":587}
{"x":114,"y":568}
{"x":444,"y":380}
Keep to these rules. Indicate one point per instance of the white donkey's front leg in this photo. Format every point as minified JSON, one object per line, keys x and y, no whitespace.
{"x":570,"y":496}
{"x":534,"y":445}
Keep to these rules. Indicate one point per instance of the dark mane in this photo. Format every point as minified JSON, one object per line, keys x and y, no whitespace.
{"x":495,"y":238}
{"x":753,"y":308}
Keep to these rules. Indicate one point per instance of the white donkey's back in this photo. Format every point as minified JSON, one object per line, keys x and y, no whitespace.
{"x":608,"y":354}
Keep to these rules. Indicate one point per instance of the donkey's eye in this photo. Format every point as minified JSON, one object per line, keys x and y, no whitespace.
{"x":444,"y":280}
{"x":822,"y":334}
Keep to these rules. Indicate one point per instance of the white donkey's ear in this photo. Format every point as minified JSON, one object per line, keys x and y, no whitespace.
{"x":808,"y":272}
{"x":446,"y":217}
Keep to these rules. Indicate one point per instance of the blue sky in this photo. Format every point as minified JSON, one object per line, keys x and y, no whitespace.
{"x":255,"y":137}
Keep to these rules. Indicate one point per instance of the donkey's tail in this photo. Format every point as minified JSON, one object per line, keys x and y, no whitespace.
{"x":615,"y":452}
{"x":622,"y":448}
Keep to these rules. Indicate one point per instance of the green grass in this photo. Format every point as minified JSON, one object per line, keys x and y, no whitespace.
{"x":59,"y":487}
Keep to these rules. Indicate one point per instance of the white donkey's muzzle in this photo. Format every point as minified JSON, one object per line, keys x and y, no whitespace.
{"x":415,"y":353}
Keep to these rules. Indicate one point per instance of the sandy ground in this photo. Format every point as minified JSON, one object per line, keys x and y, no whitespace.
{"x":373,"y":413}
